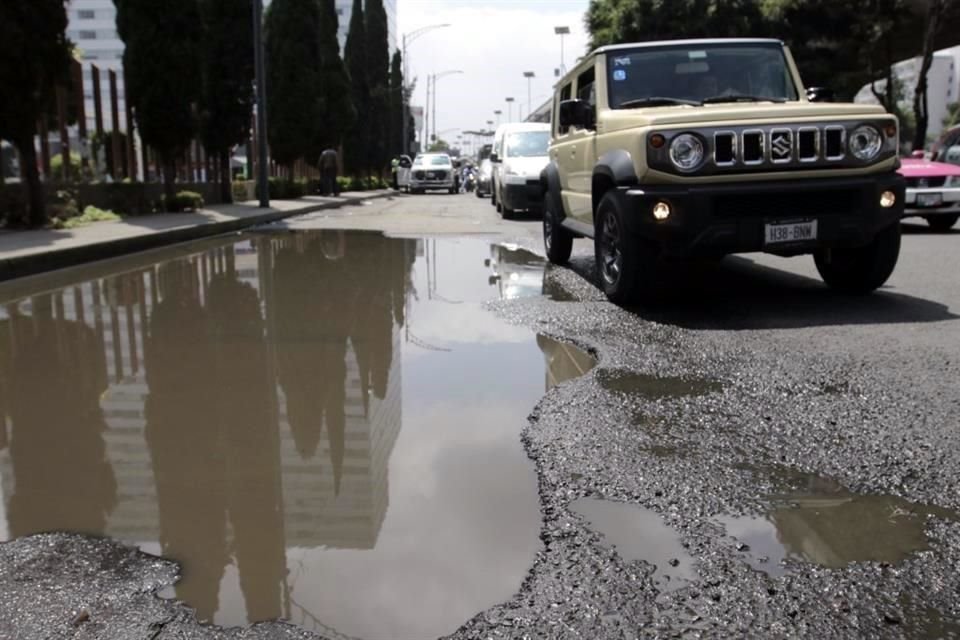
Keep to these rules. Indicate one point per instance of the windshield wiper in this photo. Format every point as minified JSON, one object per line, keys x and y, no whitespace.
{"x":739,"y":97}
{"x":657,"y":101}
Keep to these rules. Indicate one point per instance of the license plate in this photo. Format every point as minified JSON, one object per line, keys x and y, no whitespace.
{"x":929,"y":199}
{"x":785,"y":232}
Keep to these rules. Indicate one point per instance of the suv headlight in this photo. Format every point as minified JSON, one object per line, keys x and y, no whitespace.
{"x":865,"y":143}
{"x":686,"y":152}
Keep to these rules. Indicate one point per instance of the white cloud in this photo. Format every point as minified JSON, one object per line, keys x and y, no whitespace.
{"x":493,"y":42}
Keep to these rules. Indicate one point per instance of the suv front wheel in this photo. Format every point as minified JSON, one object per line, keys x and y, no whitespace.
{"x":862,"y":269}
{"x":627,"y":265}
{"x":557,"y":240}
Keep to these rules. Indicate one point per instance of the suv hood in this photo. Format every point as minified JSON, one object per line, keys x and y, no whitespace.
{"x":738,"y":113}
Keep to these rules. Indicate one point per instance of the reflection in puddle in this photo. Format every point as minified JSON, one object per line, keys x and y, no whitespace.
{"x":564,"y":361}
{"x":322,"y":427}
{"x":640,"y":534}
{"x":827,"y":525}
{"x":655,"y":387}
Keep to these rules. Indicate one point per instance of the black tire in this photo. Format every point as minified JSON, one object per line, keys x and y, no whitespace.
{"x":479,"y":195}
{"x":942,"y":224}
{"x":863,"y":269}
{"x":628,"y":267}
{"x":557,"y":241}
{"x":499,"y":205}
{"x":453,"y":190}
{"x":493,"y":194}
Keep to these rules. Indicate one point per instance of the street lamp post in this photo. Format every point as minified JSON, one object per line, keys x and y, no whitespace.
{"x":407,"y":39}
{"x":562,"y":31}
{"x":509,"y":109}
{"x":438,"y":76}
{"x":498,"y":113}
{"x":260,"y":73}
{"x":529,"y":75}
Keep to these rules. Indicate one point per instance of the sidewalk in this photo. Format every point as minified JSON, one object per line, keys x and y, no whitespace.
{"x":24,"y":253}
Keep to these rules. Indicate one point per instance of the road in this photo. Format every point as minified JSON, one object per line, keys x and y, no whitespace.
{"x":754,"y":457}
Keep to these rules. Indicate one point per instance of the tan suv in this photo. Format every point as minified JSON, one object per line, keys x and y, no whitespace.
{"x":671,"y":150}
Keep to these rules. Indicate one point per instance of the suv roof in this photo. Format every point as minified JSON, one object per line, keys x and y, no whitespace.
{"x":693,"y":41}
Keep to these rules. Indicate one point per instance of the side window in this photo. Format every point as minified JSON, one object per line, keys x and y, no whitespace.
{"x":586,"y":87}
{"x":564,"y":94}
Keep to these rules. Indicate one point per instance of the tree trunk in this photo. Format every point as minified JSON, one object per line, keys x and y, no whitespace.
{"x":169,"y":175}
{"x":36,"y":215}
{"x":226,"y":186}
{"x":934,"y":14}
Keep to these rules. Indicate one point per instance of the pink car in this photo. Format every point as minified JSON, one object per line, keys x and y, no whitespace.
{"x":933,"y":192}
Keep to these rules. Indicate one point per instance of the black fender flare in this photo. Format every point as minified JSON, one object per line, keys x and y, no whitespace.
{"x":552,"y":188}
{"x":613,"y":170}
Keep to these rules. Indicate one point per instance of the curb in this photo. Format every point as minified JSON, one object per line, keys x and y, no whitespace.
{"x":19,"y":267}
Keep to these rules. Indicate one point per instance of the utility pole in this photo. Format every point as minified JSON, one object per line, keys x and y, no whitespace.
{"x":408,"y":38}
{"x":498,"y":113}
{"x":529,"y":75}
{"x":262,"y":182}
{"x":509,"y":109}
{"x":562,"y":31}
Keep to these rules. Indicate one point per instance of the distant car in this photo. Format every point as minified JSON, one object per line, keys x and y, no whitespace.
{"x":432,"y":171}
{"x":520,"y":153}
{"x":933,"y":192}
{"x":484,"y":175}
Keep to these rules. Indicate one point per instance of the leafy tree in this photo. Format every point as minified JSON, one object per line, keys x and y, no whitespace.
{"x":438,"y":146}
{"x":355,"y":153}
{"x":163,"y":45}
{"x":35,"y":55}
{"x":339,"y":114}
{"x":952,"y":118}
{"x":378,"y":81}
{"x":227,"y":72}
{"x":397,"y":145}
{"x":294,"y":109}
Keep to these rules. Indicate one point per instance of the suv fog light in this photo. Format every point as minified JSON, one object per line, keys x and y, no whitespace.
{"x":661,"y":211}
{"x":888,"y":199}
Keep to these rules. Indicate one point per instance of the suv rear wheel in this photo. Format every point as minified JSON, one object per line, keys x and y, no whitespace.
{"x":862,"y":269}
{"x":627,"y":266}
{"x":557,"y":240}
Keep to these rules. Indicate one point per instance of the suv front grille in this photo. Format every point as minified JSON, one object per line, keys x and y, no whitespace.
{"x":789,"y":204}
{"x":779,"y":147}
{"x":924,"y":183}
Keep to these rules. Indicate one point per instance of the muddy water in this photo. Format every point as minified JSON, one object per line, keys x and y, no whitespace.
{"x":816,"y":520}
{"x":321,"y":427}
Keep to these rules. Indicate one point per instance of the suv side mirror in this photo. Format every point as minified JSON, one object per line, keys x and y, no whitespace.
{"x":820,"y":94}
{"x":576,"y":113}
{"x":494,"y":158}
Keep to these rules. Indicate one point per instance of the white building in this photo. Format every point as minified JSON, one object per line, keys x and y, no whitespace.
{"x":943,"y":86}
{"x":93,"y":29}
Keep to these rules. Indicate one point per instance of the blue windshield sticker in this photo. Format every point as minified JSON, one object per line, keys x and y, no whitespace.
{"x":619,"y":75}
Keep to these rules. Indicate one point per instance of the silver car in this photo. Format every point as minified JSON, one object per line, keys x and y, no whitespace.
{"x":432,"y":171}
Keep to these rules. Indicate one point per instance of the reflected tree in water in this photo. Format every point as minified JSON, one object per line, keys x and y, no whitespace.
{"x":245,"y":400}
{"x":189,"y":465}
{"x":54,"y":373}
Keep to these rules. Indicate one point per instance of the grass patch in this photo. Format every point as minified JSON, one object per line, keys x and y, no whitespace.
{"x":90,"y":215}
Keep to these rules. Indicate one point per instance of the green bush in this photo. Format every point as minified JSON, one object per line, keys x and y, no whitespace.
{"x":56,"y":165}
{"x":184,"y":201}
{"x":90,"y":215}
{"x":286,"y":189}
{"x":240,"y":190}
{"x":344,"y":183}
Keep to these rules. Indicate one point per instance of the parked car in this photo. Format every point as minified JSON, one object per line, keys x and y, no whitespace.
{"x":519,"y":155}
{"x":947,"y":145}
{"x":432,"y":171}
{"x":664,"y":151}
{"x":483,"y":181}
{"x":933,"y":192}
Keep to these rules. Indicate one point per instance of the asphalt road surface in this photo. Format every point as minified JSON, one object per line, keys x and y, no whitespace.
{"x":756,"y":456}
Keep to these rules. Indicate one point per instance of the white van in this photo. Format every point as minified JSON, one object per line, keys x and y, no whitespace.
{"x":520,"y":153}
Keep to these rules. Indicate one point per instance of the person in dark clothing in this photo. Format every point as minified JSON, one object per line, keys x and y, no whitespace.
{"x":328,"y":173}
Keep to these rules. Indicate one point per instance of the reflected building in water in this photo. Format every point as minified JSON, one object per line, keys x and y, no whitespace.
{"x":219,"y":408}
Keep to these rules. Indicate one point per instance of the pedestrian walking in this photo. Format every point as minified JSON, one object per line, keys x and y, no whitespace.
{"x":328,"y":173}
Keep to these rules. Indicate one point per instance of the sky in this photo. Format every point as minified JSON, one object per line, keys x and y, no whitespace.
{"x":493,"y":42}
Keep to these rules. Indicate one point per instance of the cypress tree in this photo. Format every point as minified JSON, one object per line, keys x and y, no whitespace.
{"x":34,"y":57}
{"x":378,"y":81}
{"x":396,"y":106}
{"x":162,"y":47}
{"x":294,"y":108}
{"x":338,"y":111}
{"x":355,"y":153}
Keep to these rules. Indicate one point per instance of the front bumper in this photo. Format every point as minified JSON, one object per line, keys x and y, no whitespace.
{"x":526,"y":195}
{"x":731,"y":217}
{"x":432,"y":184}
{"x":932,"y":201}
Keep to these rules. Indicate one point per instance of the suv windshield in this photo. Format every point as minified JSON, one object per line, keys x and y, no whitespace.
{"x":432,"y":160}
{"x":695,"y":74}
{"x":528,"y":144}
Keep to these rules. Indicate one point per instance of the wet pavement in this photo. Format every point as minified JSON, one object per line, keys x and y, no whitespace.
{"x":511,"y":456}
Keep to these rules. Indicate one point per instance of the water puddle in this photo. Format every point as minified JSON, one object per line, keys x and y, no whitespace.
{"x":640,"y":534}
{"x":518,"y":273}
{"x":655,"y":387}
{"x":819,"y":521}
{"x":321,"y":427}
